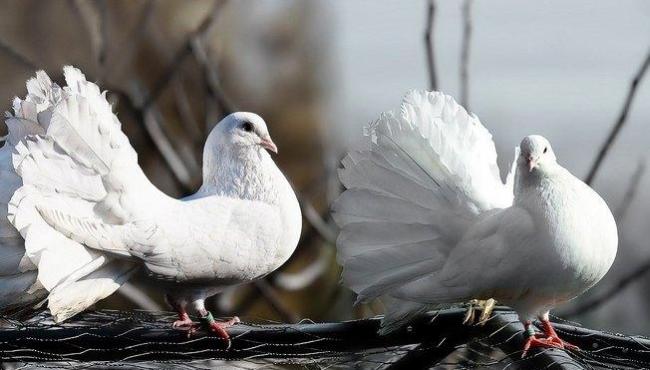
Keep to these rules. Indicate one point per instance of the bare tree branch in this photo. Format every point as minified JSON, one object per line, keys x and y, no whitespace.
{"x":293,"y":281}
{"x":153,"y":124}
{"x":263,"y":287}
{"x":92,"y":15}
{"x":150,"y":119}
{"x":464,"y":56}
{"x":211,"y":76}
{"x":326,"y":232}
{"x":184,"y":52}
{"x":185,"y":110}
{"x":630,"y":193}
{"x":591,"y":304}
{"x":428,"y":42}
{"x":137,"y":296}
{"x":17,"y":57}
{"x":599,"y":300}
{"x":622,"y":118}
{"x":103,"y":31}
{"x":127,"y":49}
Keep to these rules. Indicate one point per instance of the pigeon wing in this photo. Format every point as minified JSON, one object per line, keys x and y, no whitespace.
{"x":429,"y":172}
{"x":73,"y":163}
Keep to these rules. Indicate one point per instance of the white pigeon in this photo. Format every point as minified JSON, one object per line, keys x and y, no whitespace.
{"x":427,"y":220}
{"x":72,"y":188}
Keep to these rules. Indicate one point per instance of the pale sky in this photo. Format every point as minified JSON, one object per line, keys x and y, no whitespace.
{"x":557,"y":68}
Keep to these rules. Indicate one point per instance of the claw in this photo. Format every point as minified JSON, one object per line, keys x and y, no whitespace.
{"x":549,"y":339}
{"x":485,"y":307}
{"x":219,"y":328}
{"x":185,"y":323}
{"x":488,"y":306}
{"x":547,"y":342}
{"x":470,"y":314}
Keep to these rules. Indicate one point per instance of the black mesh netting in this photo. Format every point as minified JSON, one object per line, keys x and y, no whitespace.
{"x":119,"y":339}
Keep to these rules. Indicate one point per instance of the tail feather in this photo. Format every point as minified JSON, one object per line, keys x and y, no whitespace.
{"x":62,"y":146}
{"x":369,"y":175}
{"x":398,"y":313}
{"x":19,"y":128}
{"x":429,"y":172}
{"x":360,"y":205}
{"x":71,"y":297}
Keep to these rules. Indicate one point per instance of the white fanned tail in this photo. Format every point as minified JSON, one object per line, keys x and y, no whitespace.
{"x":66,"y":152}
{"x":430,"y":170}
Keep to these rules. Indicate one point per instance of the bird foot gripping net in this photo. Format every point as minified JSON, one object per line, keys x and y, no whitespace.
{"x":138,"y":339}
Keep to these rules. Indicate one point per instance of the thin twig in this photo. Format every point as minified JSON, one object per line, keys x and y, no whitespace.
{"x":464,"y":56}
{"x":185,"y":110}
{"x":263,"y":287}
{"x":92,"y":16}
{"x":167,"y":75}
{"x":102,"y":8}
{"x":131,"y":103}
{"x":139,"y":297}
{"x":428,"y":42}
{"x":596,"y":302}
{"x":609,"y":294}
{"x":630,"y":193}
{"x":313,"y":217}
{"x":622,"y":118}
{"x":292,"y":281}
{"x":211,"y":76}
{"x":150,"y":120}
{"x":17,"y":57}
{"x":182,"y":53}
{"x":188,"y":177}
{"x":128,"y":48}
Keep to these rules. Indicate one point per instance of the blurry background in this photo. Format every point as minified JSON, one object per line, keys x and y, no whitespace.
{"x":317,"y":71}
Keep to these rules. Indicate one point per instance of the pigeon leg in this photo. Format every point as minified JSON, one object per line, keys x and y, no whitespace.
{"x":470,"y":314}
{"x":485,"y":306}
{"x":488,"y":306}
{"x":217,"y":327}
{"x":552,"y":336}
{"x":184,"y":322}
{"x":548,"y":339}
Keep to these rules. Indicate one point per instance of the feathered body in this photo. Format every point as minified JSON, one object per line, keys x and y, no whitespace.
{"x":90,"y":217}
{"x":426,"y":219}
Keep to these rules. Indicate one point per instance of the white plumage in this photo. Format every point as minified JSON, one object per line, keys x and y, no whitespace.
{"x":426,"y":219}
{"x":90,"y":218}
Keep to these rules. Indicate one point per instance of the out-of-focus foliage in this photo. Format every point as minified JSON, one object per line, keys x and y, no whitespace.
{"x":173,"y":69}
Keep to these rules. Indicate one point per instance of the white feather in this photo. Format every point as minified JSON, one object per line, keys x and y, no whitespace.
{"x":430,"y":171}
{"x":45,"y":171}
{"x":426,"y":219}
{"x":90,"y":217}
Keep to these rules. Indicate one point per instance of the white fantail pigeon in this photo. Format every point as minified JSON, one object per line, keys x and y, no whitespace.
{"x":427,"y":220}
{"x":72,"y":188}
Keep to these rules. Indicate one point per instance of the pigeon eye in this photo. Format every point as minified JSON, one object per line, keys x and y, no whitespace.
{"x":545,"y":149}
{"x":247,"y":126}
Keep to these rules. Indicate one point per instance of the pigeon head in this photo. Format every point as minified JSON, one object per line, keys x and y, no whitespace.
{"x":244,"y":130}
{"x":535,"y":153}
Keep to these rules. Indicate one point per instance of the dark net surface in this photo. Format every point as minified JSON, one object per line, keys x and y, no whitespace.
{"x":138,"y":339}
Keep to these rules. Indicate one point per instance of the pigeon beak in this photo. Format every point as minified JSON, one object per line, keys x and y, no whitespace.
{"x":267,"y":143}
{"x":532,"y":163}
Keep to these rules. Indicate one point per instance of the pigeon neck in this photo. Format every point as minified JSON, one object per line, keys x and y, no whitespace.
{"x":526,"y":181}
{"x":244,"y":173}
